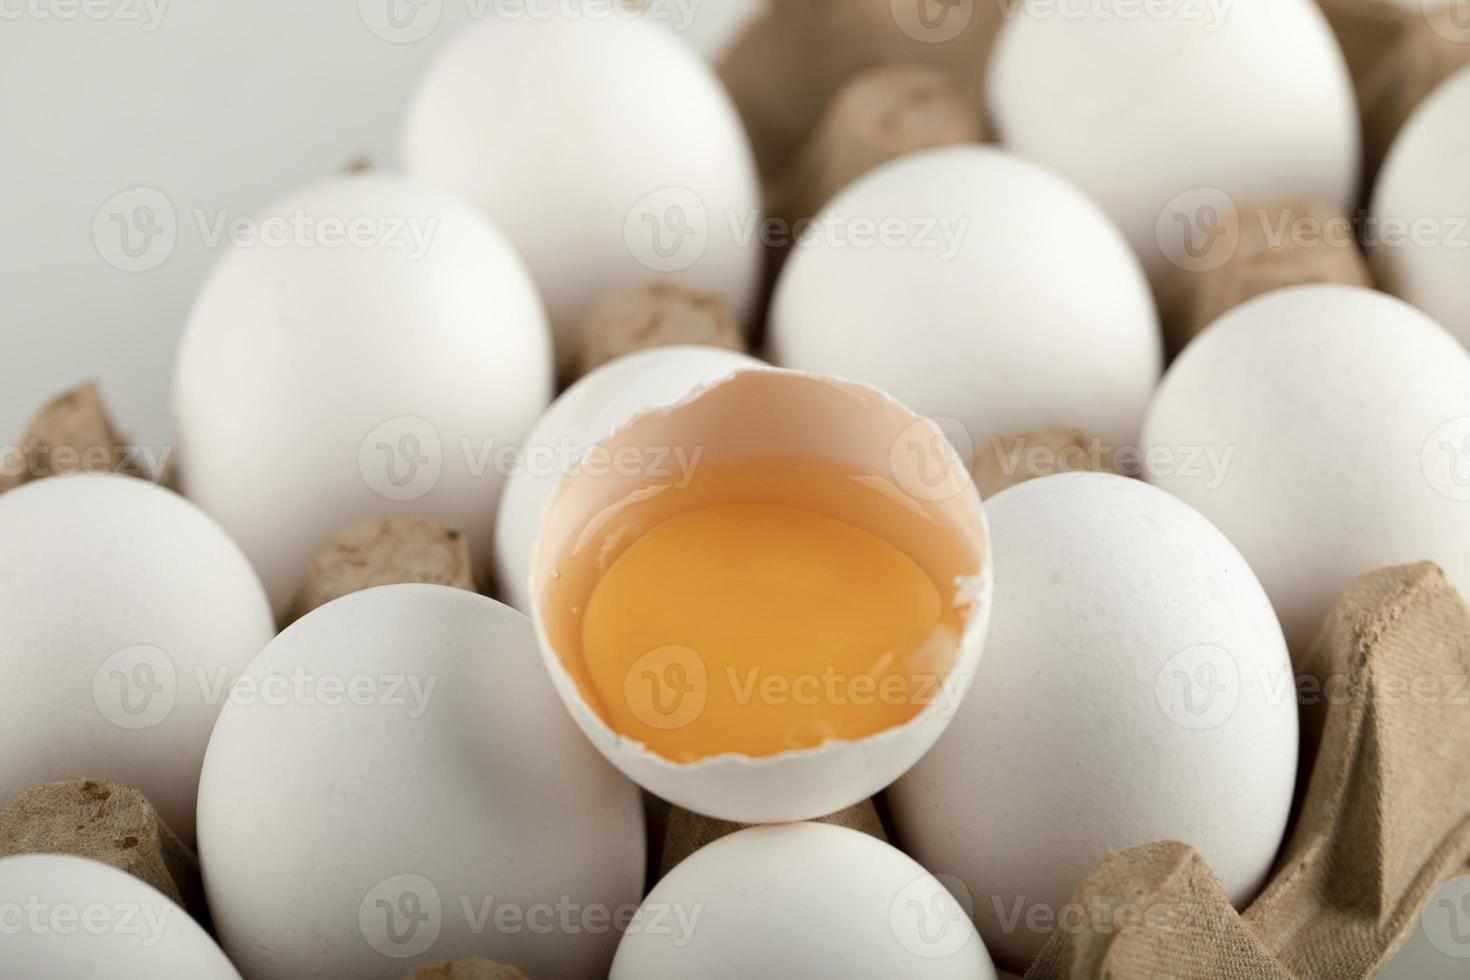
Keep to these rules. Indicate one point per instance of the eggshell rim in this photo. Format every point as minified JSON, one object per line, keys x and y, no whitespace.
{"x":962,"y":672}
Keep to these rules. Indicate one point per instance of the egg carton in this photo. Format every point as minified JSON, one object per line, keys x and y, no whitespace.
{"x":1398,"y":54}
{"x":790,"y":62}
{"x":1385,"y":821}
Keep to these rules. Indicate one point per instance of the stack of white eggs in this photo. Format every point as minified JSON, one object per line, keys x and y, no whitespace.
{"x":394,"y":780}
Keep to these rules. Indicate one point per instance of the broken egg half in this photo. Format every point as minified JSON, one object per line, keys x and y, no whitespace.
{"x":765,"y":602}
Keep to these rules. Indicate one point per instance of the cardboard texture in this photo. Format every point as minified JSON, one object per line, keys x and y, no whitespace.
{"x":878,"y":115}
{"x":391,"y":551}
{"x":1272,"y":248}
{"x":476,"y":968}
{"x":789,"y":64}
{"x":638,"y":318}
{"x":1007,"y":462}
{"x":687,"y":832}
{"x":1385,"y":822}
{"x":72,"y":433}
{"x":106,"y":822}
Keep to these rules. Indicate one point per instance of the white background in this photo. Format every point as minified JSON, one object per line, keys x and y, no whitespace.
{"x":223,"y":105}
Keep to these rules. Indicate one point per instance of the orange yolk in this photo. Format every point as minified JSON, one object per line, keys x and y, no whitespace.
{"x":758,"y":629}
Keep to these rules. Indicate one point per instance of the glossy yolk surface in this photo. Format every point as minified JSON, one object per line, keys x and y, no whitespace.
{"x":760,"y":629}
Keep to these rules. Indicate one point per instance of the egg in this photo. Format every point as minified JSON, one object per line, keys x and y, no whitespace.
{"x":1171,"y":112}
{"x":392,"y":784}
{"x":1439,"y":946}
{"x":126,"y":614}
{"x":991,"y":295}
{"x":328,"y":377}
{"x":1324,"y":429}
{"x":1135,"y":687}
{"x":768,"y":606}
{"x":605,"y":148}
{"x":1420,"y":237}
{"x":589,"y":410}
{"x":68,"y":918}
{"x":801,"y":900}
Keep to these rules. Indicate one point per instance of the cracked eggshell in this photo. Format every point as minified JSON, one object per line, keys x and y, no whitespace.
{"x":1179,"y":113}
{"x":745,"y":906}
{"x":125,"y":610}
{"x":768,"y":413}
{"x":142,"y":934}
{"x":419,"y":774}
{"x":589,"y":410}
{"x":320,"y":386}
{"x":1425,"y":184}
{"x":605,"y":148}
{"x":1339,"y":418}
{"x":1010,"y":304}
{"x":1135,"y":687}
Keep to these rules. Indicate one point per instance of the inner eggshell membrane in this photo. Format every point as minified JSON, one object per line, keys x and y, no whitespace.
{"x":779,"y":563}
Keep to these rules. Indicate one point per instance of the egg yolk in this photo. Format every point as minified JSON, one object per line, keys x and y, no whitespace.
{"x":758,"y":629}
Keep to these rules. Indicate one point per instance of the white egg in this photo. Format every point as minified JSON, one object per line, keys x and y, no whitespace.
{"x":998,"y":296}
{"x":1135,"y":687}
{"x":393,"y":784}
{"x":1326,"y":431}
{"x":1439,"y":947}
{"x":605,"y":148}
{"x":1168,"y":112}
{"x":589,"y":410}
{"x":321,"y":383}
{"x":125,"y":613}
{"x":1420,"y":236}
{"x":801,"y":900}
{"x":68,"y":918}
